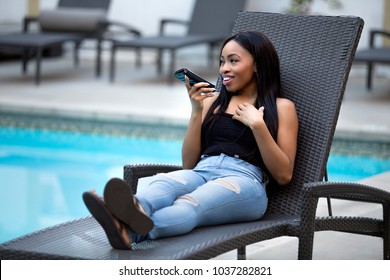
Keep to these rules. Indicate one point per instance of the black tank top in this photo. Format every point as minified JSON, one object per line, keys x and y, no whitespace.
{"x":230,"y":137}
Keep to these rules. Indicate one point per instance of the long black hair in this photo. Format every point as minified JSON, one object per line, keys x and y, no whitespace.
{"x":267,"y":78}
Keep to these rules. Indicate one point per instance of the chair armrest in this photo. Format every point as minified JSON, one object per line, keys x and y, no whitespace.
{"x":27,"y":20}
{"x":132,"y":173}
{"x":376,"y":32}
{"x":164,"y":22}
{"x":122,"y":27}
{"x":346,"y":191}
{"x":309,"y":223}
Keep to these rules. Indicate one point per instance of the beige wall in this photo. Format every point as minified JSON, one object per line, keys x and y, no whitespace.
{"x":33,"y":7}
{"x":386,"y":23}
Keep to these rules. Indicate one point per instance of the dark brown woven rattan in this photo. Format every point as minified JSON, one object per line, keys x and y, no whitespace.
{"x":316,"y":53}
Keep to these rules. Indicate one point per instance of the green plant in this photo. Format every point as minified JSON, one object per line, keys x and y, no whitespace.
{"x":304,"y":6}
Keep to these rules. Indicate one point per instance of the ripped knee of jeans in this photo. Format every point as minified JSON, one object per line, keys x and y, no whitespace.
{"x":230,"y":185}
{"x":175,"y":176}
{"x":187,"y":199}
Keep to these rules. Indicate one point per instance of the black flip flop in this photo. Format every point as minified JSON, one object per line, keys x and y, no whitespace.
{"x":104,"y":217}
{"x":119,"y":199}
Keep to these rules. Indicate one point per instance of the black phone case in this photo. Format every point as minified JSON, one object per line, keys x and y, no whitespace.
{"x":194,"y":78}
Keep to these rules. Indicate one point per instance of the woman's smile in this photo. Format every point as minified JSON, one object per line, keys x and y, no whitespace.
{"x":227,"y":80}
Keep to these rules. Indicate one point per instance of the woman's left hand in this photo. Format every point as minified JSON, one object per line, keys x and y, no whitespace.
{"x":248,"y":114}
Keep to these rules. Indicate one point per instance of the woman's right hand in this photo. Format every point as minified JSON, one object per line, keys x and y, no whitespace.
{"x":197,"y":93}
{"x":191,"y":148}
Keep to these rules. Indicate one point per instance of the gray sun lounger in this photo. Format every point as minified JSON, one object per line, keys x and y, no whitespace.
{"x":316,"y":53}
{"x":36,"y":43}
{"x":211,"y":23}
{"x":72,"y":20}
{"x":373,"y":55}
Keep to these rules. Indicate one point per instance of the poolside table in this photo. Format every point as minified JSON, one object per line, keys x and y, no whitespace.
{"x":37,"y":42}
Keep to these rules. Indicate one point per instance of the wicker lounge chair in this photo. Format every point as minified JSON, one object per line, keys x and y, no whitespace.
{"x":211,"y":23}
{"x":73,"y":20}
{"x":316,"y":54}
{"x":373,"y":54}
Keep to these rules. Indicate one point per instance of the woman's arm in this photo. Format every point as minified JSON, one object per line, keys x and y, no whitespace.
{"x":278,"y":157}
{"x":200,"y":104}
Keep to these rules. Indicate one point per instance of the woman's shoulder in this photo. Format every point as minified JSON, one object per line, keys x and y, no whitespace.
{"x":286,"y":110}
{"x":287,"y":115}
{"x":285,"y":103}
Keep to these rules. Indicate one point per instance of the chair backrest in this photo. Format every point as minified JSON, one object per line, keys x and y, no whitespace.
{"x":214,"y":16}
{"x":316,"y":54}
{"x":76,"y":16}
{"x":96,"y":4}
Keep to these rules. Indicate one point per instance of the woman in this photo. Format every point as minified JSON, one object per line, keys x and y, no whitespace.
{"x":236,"y":141}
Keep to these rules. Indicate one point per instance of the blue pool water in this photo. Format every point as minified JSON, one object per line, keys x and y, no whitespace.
{"x":43,"y":173}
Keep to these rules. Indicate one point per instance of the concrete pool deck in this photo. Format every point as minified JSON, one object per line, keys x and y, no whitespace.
{"x":141,"y":95}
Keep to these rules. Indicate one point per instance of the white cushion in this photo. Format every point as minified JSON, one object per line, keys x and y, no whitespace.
{"x":71,"y":19}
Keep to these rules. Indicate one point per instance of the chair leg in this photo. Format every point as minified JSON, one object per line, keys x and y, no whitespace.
{"x":76,"y":57}
{"x":370,"y":68}
{"x":159,"y":61}
{"x":98,"y":69}
{"x":305,"y":248}
{"x":138,"y":62}
{"x":112,"y":63}
{"x":386,"y":234}
{"x":241,"y":253}
{"x":172,"y":67}
{"x":307,"y":228}
{"x":38,"y":66}
{"x":25,"y":57}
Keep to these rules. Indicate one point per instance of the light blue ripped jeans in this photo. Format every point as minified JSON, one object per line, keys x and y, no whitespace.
{"x":219,"y":190}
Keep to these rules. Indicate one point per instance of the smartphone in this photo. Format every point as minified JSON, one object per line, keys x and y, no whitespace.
{"x":194,"y":78}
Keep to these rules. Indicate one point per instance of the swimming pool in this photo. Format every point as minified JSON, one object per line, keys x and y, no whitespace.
{"x":43,"y":172}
